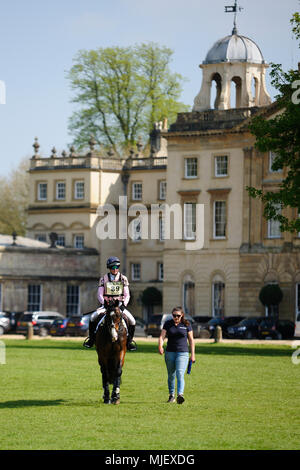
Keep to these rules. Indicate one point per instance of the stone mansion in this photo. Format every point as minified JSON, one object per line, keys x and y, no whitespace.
{"x":207,"y":157}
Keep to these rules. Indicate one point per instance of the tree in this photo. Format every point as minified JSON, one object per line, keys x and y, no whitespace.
{"x":14,"y":197}
{"x":270,"y":296}
{"x":151,"y":296}
{"x":121,"y":92}
{"x":281,"y":135}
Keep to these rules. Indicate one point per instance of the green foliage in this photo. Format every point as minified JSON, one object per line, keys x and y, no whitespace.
{"x":281,"y":135}
{"x":121,"y":92}
{"x":271,"y":294}
{"x":14,"y":198}
{"x":151,"y":296}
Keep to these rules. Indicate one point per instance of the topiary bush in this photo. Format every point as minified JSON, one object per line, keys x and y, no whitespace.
{"x":270,"y":294}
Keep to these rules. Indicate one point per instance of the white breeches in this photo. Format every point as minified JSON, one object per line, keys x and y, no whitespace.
{"x":97,"y":312}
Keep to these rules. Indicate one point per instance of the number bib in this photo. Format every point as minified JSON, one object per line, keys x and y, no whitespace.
{"x":114,"y":288}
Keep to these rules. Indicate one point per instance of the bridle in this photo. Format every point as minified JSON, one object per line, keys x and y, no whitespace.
{"x":113,"y":319}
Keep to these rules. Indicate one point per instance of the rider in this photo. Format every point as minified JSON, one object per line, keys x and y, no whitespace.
{"x":113,"y":284}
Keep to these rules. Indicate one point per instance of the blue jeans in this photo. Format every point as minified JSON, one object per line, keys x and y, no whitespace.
{"x":176,"y":363}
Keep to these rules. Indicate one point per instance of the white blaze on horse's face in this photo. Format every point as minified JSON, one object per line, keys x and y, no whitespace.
{"x":114,"y":333}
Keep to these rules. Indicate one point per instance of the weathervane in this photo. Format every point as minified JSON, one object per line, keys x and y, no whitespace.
{"x":233,"y":9}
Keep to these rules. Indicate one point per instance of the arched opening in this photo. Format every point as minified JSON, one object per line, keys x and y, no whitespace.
{"x":236,"y":92}
{"x":215,"y":94}
{"x":254,"y":88}
{"x":188,"y":295}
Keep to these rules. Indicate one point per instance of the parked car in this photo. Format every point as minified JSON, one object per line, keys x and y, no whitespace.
{"x":297,"y":330}
{"x":246,"y":328}
{"x":78,"y":325}
{"x":13,"y":318}
{"x":58,"y":327}
{"x":140,"y":326}
{"x":223,"y":322}
{"x":4,"y":323}
{"x":41,"y":322}
{"x":202,"y":330}
{"x":276,"y":328}
{"x":168,"y":316}
{"x":153,"y":326}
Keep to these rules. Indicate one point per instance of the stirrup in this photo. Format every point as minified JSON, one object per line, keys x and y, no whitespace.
{"x":131,"y":346}
{"x":87,"y":343}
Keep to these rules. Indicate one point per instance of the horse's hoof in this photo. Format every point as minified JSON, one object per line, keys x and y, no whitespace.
{"x":106,"y":401}
{"x":116,"y":402}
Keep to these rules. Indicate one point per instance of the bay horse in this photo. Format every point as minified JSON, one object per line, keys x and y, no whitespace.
{"x":111,"y":340}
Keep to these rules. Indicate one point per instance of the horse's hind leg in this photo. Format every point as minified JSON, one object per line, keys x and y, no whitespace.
{"x":105,"y":386}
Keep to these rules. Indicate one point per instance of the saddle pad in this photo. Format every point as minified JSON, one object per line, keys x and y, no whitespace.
{"x":114,"y":288}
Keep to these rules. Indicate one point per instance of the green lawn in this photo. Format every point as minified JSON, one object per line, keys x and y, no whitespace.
{"x":237,"y":397}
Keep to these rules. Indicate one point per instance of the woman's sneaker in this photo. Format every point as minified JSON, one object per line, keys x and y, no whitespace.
{"x":171,"y":399}
{"x":180,"y":399}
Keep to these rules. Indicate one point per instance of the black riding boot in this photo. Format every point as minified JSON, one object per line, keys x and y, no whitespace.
{"x":90,"y":340}
{"x":131,"y":346}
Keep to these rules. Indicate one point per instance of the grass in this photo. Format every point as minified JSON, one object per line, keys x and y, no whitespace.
{"x":237,"y":397}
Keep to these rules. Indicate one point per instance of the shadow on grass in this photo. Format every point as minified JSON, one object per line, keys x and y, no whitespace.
{"x":206,"y":349}
{"x":230,"y":350}
{"x":27,"y":403}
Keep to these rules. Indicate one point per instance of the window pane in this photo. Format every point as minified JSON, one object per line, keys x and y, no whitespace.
{"x":79,"y":190}
{"x":190,"y":220}
{"x":274,"y":225}
{"x":34,"y":297}
{"x":79,"y":241}
{"x":136,"y":271}
{"x":161,"y":229}
{"x":61,"y":240}
{"x":191,"y":167}
{"x":221,"y":165}
{"x":272,"y":157}
{"x":160,"y":272}
{"x":137,"y":230}
{"x":60,"y":190}
{"x":72,"y":306}
{"x":218,"y":299}
{"x":220,"y":219}
{"x":137,"y":191}
{"x":162,"y":190}
{"x":42,"y":191}
{"x":41,"y":237}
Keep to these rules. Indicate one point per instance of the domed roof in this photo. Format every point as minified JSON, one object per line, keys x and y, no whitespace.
{"x":234,"y":48}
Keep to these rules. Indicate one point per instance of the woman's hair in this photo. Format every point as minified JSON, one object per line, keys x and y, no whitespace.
{"x":182,"y":320}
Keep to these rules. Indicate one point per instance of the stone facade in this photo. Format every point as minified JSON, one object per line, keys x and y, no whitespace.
{"x":31,"y":263}
{"x":206,"y":157}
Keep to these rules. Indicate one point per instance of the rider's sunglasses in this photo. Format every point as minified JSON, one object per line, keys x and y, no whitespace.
{"x":175,"y":315}
{"x":114,"y":267}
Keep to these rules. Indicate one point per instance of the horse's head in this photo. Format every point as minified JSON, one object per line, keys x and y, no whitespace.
{"x":110,"y":303}
{"x":113,"y":317}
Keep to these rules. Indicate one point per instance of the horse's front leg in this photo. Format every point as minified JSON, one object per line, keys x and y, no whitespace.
{"x":115,"y":396}
{"x":105,"y":385}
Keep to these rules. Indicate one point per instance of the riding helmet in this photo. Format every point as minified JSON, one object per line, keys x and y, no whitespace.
{"x":113,"y":261}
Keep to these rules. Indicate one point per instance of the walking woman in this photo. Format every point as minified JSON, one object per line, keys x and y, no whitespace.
{"x":179,"y":333}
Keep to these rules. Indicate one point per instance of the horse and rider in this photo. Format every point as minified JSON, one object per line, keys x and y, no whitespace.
{"x":113,"y":285}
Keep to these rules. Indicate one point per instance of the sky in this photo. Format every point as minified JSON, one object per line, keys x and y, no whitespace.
{"x":39,"y":40}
